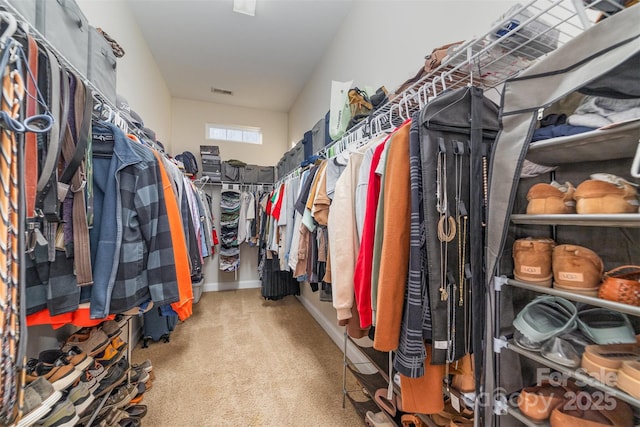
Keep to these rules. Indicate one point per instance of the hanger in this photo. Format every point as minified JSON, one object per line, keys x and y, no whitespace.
{"x":12,"y":26}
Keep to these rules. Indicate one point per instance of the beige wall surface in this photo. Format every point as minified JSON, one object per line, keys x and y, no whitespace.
{"x":139,"y":79}
{"x":384,"y":42}
{"x":189,"y":119}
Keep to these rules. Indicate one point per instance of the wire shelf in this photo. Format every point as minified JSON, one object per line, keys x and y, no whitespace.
{"x":521,"y":36}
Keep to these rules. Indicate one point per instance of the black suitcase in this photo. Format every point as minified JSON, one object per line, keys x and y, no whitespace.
{"x":157,"y":327}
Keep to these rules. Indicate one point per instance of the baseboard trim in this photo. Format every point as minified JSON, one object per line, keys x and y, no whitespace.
{"x":229,"y":286}
{"x":336,"y":333}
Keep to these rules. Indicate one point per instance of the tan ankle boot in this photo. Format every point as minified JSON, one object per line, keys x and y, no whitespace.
{"x":532,"y":260}
{"x":577,"y":269}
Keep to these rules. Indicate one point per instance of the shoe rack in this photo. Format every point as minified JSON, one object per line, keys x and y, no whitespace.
{"x":380,"y":379}
{"x":614,"y":147}
{"x":125,"y":325}
{"x":369,"y":383}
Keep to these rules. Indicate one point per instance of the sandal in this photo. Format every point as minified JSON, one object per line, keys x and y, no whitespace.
{"x":542,"y":319}
{"x":603,"y":361}
{"x":603,"y":326}
{"x":629,"y":378}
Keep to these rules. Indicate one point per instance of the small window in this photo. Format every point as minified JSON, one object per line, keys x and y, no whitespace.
{"x":245,"y":134}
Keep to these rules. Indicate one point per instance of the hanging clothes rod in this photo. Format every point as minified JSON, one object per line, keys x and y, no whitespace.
{"x":28,"y":28}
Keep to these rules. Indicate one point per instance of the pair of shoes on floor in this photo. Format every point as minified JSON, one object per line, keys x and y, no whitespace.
{"x":602,"y":194}
{"x":130,"y":417}
{"x":145,"y":366}
{"x":377,"y":419}
{"x":571,"y":268}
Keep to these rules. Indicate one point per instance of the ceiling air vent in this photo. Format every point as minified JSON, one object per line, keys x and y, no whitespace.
{"x":221,"y":91}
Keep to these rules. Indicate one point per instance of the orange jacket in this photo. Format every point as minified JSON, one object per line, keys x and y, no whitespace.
{"x":184,"y":307}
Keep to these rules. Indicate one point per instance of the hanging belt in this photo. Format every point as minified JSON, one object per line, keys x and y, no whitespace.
{"x":47,"y":198}
{"x":31,"y":140}
{"x":73,"y":151}
{"x":59,"y":109}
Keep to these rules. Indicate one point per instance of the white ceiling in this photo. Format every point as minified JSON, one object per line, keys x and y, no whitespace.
{"x":265,"y":59}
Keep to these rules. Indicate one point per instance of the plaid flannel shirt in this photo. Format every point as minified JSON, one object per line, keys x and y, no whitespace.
{"x":145,"y":267}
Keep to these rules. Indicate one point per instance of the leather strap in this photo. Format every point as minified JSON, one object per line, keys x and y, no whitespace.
{"x":31,"y":140}
{"x":83,"y":135}
{"x":47,"y":198}
{"x":73,"y":150}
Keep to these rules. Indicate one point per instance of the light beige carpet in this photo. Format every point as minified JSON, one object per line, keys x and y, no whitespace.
{"x":243,"y":361}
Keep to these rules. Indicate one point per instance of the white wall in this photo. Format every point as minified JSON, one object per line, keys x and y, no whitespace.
{"x":383,"y":43}
{"x":139,"y":79}
{"x":188,"y":130}
{"x":188,"y":133}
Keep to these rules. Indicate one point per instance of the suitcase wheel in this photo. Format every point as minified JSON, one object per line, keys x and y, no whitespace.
{"x":145,"y":342}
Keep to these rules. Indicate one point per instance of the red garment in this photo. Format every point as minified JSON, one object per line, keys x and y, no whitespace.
{"x":278,"y":203}
{"x":269,"y":206}
{"x":362,"y":273}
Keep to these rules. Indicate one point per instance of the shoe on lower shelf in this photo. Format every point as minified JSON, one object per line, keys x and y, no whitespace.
{"x":72,"y":355}
{"x":116,"y":375}
{"x":39,"y":397}
{"x":121,"y":397}
{"x":92,"y":342}
{"x":146,"y":365}
{"x":130,"y":422}
{"x":80,"y":396}
{"x":62,"y":415}
{"x":594,"y":415}
{"x":59,"y":374}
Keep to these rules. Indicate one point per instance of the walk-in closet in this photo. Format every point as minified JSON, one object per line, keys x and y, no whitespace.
{"x":323,"y":212}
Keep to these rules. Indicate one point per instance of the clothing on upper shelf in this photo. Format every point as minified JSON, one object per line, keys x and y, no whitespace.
{"x":598,"y":111}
